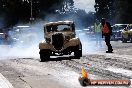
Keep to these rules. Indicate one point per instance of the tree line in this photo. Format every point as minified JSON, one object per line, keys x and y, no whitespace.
{"x":14,"y":11}
{"x":116,"y":11}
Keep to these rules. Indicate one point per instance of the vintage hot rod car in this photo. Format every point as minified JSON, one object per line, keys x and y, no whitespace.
{"x":60,"y":39}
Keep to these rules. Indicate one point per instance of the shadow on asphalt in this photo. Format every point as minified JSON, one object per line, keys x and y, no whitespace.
{"x":60,"y":58}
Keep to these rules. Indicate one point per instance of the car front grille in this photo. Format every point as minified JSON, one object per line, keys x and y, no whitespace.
{"x":58,"y":41}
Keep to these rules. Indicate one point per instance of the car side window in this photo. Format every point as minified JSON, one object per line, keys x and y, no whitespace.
{"x":48,"y":28}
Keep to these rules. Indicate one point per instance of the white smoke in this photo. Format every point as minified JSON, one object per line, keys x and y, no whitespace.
{"x":16,"y":52}
{"x":31,"y":49}
{"x":27,"y":44}
{"x":89,"y":45}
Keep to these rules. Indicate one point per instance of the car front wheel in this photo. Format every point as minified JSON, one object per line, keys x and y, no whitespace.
{"x":44,"y":55}
{"x":78,"y":51}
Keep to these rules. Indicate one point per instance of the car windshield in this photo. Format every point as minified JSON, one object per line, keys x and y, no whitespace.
{"x":130,"y":27}
{"x":58,"y":28}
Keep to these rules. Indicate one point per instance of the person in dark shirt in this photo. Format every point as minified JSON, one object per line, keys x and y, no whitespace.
{"x":107,"y":32}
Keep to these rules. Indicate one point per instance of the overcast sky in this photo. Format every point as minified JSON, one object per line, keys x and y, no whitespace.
{"x":87,"y":5}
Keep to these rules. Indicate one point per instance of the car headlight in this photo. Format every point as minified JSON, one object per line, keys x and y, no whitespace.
{"x":67,"y":37}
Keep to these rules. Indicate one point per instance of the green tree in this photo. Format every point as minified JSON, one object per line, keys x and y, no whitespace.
{"x":103,"y":8}
{"x":20,"y":10}
{"x":123,"y":11}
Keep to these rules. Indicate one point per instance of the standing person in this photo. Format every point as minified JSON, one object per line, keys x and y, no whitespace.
{"x":97,"y":30}
{"x":107,"y":32}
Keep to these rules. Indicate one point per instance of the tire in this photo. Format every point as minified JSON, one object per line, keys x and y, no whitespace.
{"x":130,"y":38}
{"x":124,"y":40}
{"x":78,"y":51}
{"x":44,"y":55}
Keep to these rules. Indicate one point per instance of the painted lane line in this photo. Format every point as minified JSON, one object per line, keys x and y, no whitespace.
{"x":4,"y":83}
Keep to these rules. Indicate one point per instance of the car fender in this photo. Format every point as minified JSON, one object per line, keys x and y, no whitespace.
{"x":125,"y":34}
{"x":44,"y":45}
{"x":72,"y":42}
{"x":130,"y":32}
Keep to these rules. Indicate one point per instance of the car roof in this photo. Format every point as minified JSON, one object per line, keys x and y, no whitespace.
{"x":2,"y":33}
{"x":130,"y":24}
{"x":59,"y":23}
{"x":23,"y":26}
{"x":120,"y":24}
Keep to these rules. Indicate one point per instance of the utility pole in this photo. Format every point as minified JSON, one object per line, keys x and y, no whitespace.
{"x":31,"y":16}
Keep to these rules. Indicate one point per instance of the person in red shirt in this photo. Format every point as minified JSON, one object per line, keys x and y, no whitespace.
{"x":107,"y":32}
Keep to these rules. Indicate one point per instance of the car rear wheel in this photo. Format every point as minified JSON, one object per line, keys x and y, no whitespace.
{"x":124,"y":40}
{"x":44,"y":55}
{"x":131,"y":39}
